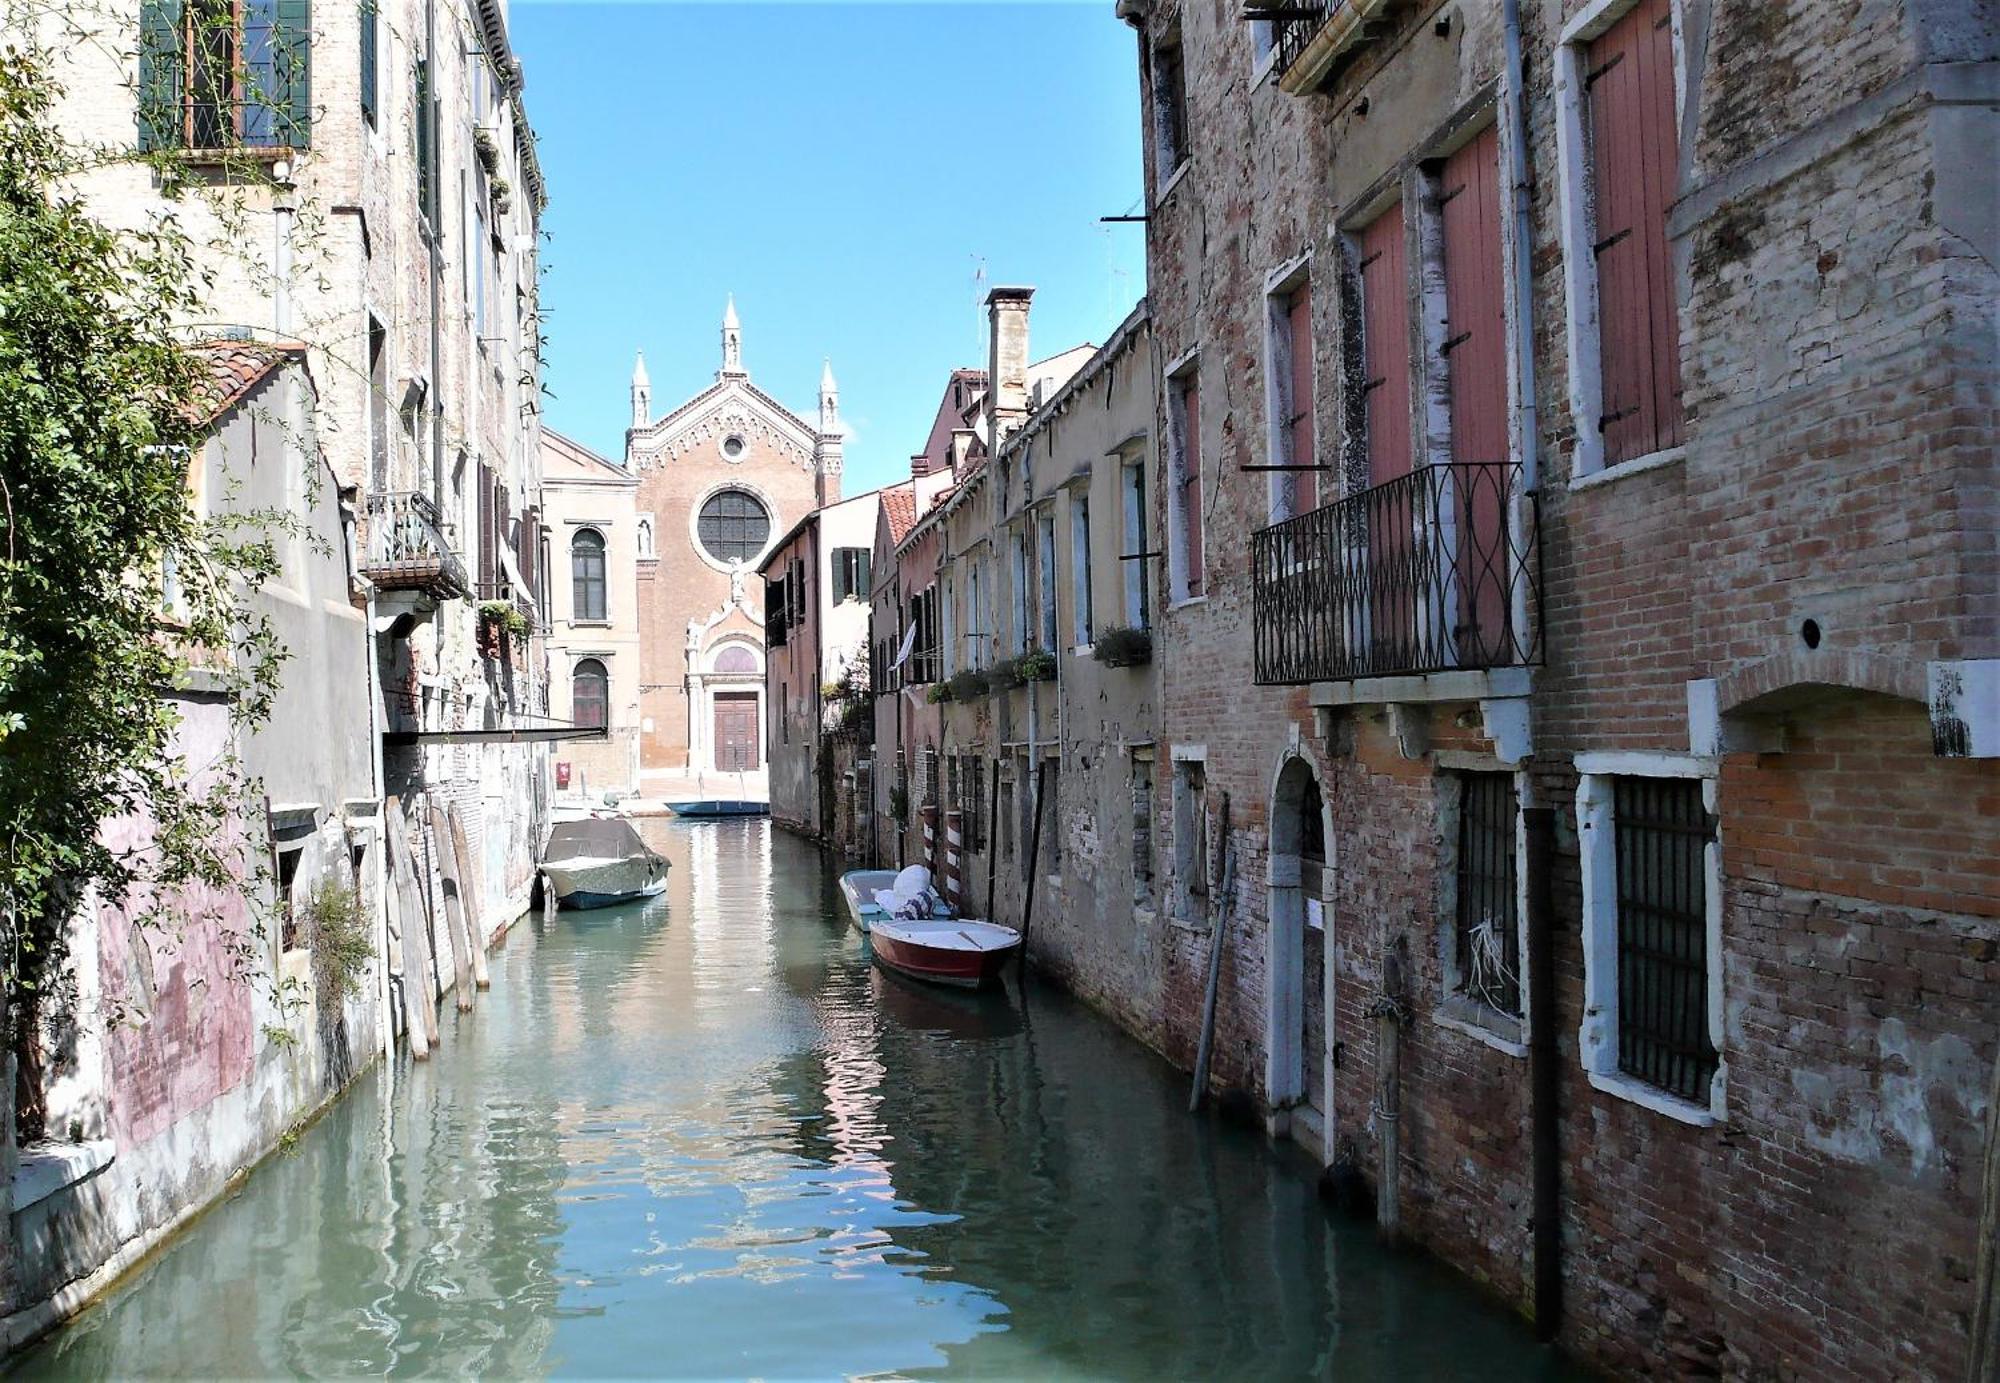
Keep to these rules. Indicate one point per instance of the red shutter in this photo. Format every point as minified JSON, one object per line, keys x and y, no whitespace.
{"x":1298,"y":320}
{"x":1385,"y":346}
{"x":1635,"y":150}
{"x":1190,"y":482}
{"x":1475,"y":322}
{"x":488,"y":558}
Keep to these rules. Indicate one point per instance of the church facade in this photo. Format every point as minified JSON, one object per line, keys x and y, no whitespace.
{"x":720,"y":477}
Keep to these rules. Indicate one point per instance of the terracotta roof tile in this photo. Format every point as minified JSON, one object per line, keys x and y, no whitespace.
{"x":899,"y":503}
{"x":231,"y":369}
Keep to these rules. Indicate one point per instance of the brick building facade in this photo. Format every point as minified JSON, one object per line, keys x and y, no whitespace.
{"x":1628,"y":567}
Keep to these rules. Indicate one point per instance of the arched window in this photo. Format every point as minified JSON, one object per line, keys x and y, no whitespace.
{"x":586,"y":570}
{"x":735,"y":658}
{"x":589,"y":693}
{"x":733,"y":525}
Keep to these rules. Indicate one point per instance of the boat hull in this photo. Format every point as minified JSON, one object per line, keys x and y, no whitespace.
{"x":600,"y":883}
{"x":719,"y":807}
{"x":904,"y":950}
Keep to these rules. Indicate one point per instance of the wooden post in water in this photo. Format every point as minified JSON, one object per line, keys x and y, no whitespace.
{"x":469,"y":896}
{"x":1218,"y":914}
{"x":392,"y":903}
{"x":454,"y":904}
{"x":419,"y":963}
{"x":1034,"y":858}
{"x":992,"y":855}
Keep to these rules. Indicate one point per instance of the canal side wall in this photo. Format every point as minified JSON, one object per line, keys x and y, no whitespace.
{"x":1772,"y":609}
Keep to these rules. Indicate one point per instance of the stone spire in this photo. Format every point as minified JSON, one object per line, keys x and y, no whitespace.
{"x":642,"y":393}
{"x":732,"y":341}
{"x":828,"y":450}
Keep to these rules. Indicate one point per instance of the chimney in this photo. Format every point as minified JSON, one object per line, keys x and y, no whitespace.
{"x":1007,"y":366}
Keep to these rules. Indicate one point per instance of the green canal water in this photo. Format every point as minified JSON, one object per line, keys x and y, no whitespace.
{"x":703,"y":1137}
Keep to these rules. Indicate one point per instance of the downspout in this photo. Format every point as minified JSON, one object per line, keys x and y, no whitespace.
{"x":378,"y":873}
{"x":435,"y":260}
{"x":283,"y":209}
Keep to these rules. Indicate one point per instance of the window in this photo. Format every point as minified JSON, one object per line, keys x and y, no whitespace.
{"x":1184,"y":499}
{"x":427,"y":150}
{"x":1474,"y":348}
{"x":1191,"y":839}
{"x":1142,"y":826}
{"x":220,"y":74}
{"x":733,"y":526}
{"x":1619,"y":136}
{"x":1652,"y":931}
{"x":589,"y":693}
{"x":1045,"y":545}
{"x":378,"y":405}
{"x":776,"y":601}
{"x":1289,"y":394}
{"x":975,"y":616}
{"x":1132,"y":491}
{"x":735,"y":658}
{"x":972,"y":819}
{"x":1486,"y":924}
{"x":1170,"y":123}
{"x":1662,"y":834}
{"x":1023,"y":632}
{"x":1052,"y":818}
{"x":291,"y":936}
{"x":586,"y":570}
{"x":851,"y":573}
{"x":1081,"y":623}
{"x":370,"y":19}
{"x":1385,"y":346}
{"x":930,"y":766}
{"x":1006,"y":815}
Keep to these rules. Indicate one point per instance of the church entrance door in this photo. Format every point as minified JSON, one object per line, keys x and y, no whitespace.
{"x":736,"y":732}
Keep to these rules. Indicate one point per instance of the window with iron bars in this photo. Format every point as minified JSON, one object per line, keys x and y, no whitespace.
{"x":1488,"y":920}
{"x":1661,"y":831}
{"x":972,"y":815}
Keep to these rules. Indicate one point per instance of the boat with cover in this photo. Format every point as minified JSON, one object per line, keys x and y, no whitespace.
{"x":600,"y":861}
{"x":719,"y":806}
{"x":859,"y":888}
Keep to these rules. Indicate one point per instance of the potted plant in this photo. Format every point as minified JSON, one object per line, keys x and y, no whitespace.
{"x":938,"y":693}
{"x":487,"y":145}
{"x":1037,"y":665}
{"x":503,"y":195}
{"x":1005,"y":675}
{"x":967,"y":685}
{"x":1123,"y":647}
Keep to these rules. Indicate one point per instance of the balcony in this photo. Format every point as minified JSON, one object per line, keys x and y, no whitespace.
{"x":1310,"y":36}
{"x":407,"y":550}
{"x":1437,"y":571}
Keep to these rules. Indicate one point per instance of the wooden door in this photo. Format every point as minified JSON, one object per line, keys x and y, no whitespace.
{"x":736,"y":748}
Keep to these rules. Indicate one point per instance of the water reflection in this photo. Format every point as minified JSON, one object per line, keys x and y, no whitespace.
{"x":703,"y":1137}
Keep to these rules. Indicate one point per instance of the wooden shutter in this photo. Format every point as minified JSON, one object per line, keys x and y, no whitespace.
{"x":1475,"y":345}
{"x":1385,"y":346}
{"x":293,"y":96}
{"x":488,"y":525}
{"x":160,"y":67}
{"x":369,"y":11}
{"x":1299,"y":395}
{"x":1635,"y":151}
{"x":1190,"y":485}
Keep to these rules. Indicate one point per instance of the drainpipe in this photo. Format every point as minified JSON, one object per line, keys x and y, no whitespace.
{"x":1522,"y":268}
{"x":435,"y":260}
{"x":378,"y":872}
{"x":1544,"y":1116}
{"x":284,"y":208}
{"x":1391,"y":1011}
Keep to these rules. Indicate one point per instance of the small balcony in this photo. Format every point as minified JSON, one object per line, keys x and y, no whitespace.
{"x":1433,"y":572}
{"x":407,"y":551}
{"x":1311,"y":36}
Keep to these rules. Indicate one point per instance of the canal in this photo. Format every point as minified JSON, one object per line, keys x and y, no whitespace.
{"x":703,"y":1137}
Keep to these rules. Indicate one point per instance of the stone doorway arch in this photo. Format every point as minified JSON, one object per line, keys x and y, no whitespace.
{"x":1298,"y":1077}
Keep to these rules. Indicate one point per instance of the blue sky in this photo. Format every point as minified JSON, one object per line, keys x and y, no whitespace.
{"x":845,"y":170}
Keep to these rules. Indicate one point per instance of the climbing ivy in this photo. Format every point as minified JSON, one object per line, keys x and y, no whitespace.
{"x":112,"y":588}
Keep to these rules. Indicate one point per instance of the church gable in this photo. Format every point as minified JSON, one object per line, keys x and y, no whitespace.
{"x":731,"y":407}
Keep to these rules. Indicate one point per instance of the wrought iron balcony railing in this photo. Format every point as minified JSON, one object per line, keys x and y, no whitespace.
{"x":407,"y":550}
{"x":1294,"y":24}
{"x":1435,"y":571}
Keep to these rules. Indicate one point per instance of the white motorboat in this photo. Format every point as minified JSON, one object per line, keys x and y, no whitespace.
{"x":860,"y":887}
{"x":599,"y":862}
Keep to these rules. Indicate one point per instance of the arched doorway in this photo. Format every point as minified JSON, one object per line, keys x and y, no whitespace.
{"x":1298,"y":1074}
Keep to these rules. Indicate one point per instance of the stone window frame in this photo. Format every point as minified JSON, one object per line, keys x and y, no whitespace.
{"x":1192,"y":840}
{"x":1184,"y":368}
{"x":1575,"y":219}
{"x":1135,"y":585}
{"x":1456,"y":1010}
{"x":1142,"y":767}
{"x":779,"y":528}
{"x":1083,"y":621}
{"x":1167,"y":139}
{"x":1597,"y":1033}
{"x":1280,"y":284}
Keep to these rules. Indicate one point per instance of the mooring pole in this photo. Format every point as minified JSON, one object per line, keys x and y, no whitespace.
{"x":992,"y":855}
{"x":1034,"y":858}
{"x":1218,"y":928}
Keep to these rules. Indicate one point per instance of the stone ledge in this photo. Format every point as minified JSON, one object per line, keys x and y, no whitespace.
{"x":1481,"y":685}
{"x":46,"y":1168}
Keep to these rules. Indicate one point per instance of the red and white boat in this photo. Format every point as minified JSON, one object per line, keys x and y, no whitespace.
{"x":944,"y":950}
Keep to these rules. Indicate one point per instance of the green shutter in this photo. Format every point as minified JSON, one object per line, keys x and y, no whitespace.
{"x":160,"y":74}
{"x":293,"y":97}
{"x":368,"y":28}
